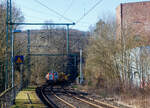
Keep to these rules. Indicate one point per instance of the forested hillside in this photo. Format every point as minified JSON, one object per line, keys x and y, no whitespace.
{"x":48,"y":41}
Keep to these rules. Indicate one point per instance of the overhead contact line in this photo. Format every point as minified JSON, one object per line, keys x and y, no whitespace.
{"x":52,"y":10}
{"x":93,"y":7}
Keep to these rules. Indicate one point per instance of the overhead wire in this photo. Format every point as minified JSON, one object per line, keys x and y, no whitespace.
{"x":68,"y":8}
{"x":70,"y":5}
{"x":52,"y":10}
{"x":86,"y":13}
{"x":33,"y":16}
{"x":82,"y":17}
{"x":35,"y":10}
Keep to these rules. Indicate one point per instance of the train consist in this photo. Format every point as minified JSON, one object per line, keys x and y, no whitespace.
{"x":56,"y":77}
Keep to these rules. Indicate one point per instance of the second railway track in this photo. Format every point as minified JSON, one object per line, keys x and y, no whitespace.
{"x":58,"y":97}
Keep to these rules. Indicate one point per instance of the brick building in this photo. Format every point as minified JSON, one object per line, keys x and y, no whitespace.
{"x":134,"y":17}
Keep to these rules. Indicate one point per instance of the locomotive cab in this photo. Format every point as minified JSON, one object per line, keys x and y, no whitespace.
{"x":52,"y":77}
{"x":56,"y":77}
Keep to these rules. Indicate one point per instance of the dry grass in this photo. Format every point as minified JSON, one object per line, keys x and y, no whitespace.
{"x":137,"y":98}
{"x":22,"y":99}
{"x":133,"y":98}
{"x":136,"y":102}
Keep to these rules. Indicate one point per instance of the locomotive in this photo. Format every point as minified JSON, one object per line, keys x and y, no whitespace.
{"x":56,"y":77}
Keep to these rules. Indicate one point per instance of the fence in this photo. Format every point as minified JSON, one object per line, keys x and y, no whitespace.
{"x":7,"y":98}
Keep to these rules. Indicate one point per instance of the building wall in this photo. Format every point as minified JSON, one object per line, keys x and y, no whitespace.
{"x":118,"y":21}
{"x":134,"y":17}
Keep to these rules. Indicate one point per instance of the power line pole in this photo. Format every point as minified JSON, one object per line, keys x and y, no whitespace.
{"x":6,"y":59}
{"x":21,"y":76}
{"x":28,"y":50}
{"x":81,"y":73}
{"x":12,"y":58}
{"x":67,"y":39}
{"x":12,"y":44}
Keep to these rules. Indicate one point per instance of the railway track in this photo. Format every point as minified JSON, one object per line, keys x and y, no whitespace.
{"x":91,"y":101}
{"x":43,"y":96}
{"x":60,"y":98}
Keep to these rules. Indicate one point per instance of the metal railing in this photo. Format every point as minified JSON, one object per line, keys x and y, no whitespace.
{"x":7,"y":98}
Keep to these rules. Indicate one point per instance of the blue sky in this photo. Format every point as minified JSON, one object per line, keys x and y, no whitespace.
{"x":71,"y":9}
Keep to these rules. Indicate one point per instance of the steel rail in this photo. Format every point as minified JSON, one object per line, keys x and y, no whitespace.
{"x":72,"y":106}
{"x":100,"y":102}
{"x":50,"y":103}
{"x":92,"y":104}
{"x":67,"y":103}
{"x":82,"y":100}
{"x":91,"y":99}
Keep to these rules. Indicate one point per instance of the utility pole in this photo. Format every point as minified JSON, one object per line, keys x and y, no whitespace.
{"x":6,"y":60}
{"x":67,"y":39}
{"x":81,"y":73}
{"x":28,"y":50}
{"x":12,"y":43}
{"x":12,"y":58}
{"x":9,"y":28}
{"x":21,"y":75}
{"x":12,"y":55}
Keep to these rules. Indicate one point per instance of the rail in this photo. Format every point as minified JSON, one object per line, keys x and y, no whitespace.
{"x":91,"y":102}
{"x":41,"y":93}
{"x":67,"y":103}
{"x":94,"y":103}
{"x":85,"y":100}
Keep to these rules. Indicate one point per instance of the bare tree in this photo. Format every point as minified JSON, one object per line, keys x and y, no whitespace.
{"x":16,"y":16}
{"x":109,"y":62}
